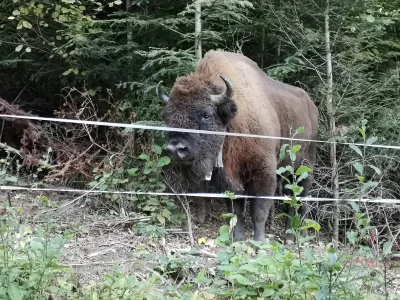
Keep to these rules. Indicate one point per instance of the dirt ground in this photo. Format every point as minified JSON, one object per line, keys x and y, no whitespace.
{"x":104,"y":240}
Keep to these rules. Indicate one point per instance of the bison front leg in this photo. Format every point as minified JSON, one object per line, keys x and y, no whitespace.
{"x":260,"y":208}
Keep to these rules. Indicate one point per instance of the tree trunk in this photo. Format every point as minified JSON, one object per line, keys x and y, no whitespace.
{"x":332,"y":127}
{"x":262,"y":48}
{"x":197,"y":29}
{"x":129,"y":33}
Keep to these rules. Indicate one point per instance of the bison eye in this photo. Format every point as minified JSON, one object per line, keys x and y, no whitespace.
{"x":206,"y":117}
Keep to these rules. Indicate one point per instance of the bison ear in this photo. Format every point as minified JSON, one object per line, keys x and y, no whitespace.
{"x":227,"y":111}
{"x":161,"y":95}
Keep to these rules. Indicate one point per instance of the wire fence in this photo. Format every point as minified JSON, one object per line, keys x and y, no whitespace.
{"x":202,"y":195}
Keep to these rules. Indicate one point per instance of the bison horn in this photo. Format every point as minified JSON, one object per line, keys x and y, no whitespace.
{"x":160,"y":93}
{"x":228,"y":93}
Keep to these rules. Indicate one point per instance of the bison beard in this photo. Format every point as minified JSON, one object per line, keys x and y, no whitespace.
{"x":243,"y":100}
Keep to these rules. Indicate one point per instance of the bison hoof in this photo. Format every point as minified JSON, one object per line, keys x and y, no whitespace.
{"x":201,"y":218}
{"x":239,"y":237}
{"x":259,"y":238}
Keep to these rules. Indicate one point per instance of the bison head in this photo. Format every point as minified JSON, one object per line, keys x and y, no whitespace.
{"x":197,"y":103}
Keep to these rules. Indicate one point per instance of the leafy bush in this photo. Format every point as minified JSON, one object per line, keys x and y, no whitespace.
{"x":146,"y":176}
{"x":29,"y":260}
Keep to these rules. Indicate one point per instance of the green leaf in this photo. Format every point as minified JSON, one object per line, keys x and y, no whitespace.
{"x":331,"y":258}
{"x":356,"y":149}
{"x":28,"y":49}
{"x":281,"y":170}
{"x":163,"y":161}
{"x":297,"y":190}
{"x":302,"y":177}
{"x":362,"y":131}
{"x":352,"y":237}
{"x":303,"y":169}
{"x":354,"y":206}
{"x":359,"y":167}
{"x":387,"y":248}
{"x":300,"y":130}
{"x":360,"y":178}
{"x":241,"y":279}
{"x":296,"y":222}
{"x":132,"y":171}
{"x":16,"y":12}
{"x":232,"y":222}
{"x":19,"y":48}
{"x":157,"y":149}
{"x":44,"y":199}
{"x":144,"y":156}
{"x":295,"y":149}
{"x":26,"y":24}
{"x":368,"y":185}
{"x":67,"y":72}
{"x":370,"y":19}
{"x":282,"y":152}
{"x":371,"y":140}
{"x":14,"y":292}
{"x":11,"y":179}
{"x":377,"y":170}
{"x":311,"y":224}
{"x":201,"y":278}
{"x":250,"y":267}
{"x":118,"y":2}
{"x":161,"y":219}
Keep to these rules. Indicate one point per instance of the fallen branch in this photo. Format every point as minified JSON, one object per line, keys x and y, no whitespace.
{"x":10,"y":149}
{"x":194,"y":252}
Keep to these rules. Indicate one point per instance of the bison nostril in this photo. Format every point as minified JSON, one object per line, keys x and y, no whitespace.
{"x":182,"y":152}
{"x":178,"y":150}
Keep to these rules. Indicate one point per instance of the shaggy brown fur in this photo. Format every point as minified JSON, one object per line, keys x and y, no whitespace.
{"x":259,"y":105}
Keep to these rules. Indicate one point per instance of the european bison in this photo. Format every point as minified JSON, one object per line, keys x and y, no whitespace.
{"x":228,"y":92}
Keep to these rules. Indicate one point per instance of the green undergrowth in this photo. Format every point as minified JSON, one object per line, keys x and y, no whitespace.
{"x":31,"y":268}
{"x":31,"y":256}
